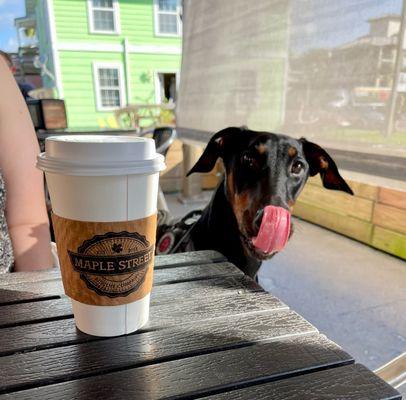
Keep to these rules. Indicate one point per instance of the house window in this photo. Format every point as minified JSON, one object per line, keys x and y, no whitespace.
{"x":104,"y":16}
{"x":109,"y":86}
{"x":167,"y":17}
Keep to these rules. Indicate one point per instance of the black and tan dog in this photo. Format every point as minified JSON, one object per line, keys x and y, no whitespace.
{"x":263,"y":171}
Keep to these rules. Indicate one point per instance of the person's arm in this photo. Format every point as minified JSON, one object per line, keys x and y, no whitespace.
{"x":26,"y":213}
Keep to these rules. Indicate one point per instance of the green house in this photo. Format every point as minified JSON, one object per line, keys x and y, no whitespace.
{"x":101,"y":55}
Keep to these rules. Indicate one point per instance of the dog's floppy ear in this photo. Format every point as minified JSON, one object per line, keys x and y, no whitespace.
{"x":215,"y":149}
{"x":320,"y":162}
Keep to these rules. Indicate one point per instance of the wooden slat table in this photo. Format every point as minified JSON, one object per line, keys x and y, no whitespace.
{"x":213,"y":334}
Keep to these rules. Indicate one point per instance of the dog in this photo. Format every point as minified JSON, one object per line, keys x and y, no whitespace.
{"x":248,"y":217}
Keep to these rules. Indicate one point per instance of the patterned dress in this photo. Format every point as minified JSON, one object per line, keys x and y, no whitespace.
{"x":6,"y":250}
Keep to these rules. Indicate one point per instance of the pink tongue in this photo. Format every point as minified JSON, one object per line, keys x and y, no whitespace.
{"x":274,"y":230}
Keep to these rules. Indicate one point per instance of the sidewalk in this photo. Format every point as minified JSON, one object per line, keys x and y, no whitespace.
{"x":353,"y":293}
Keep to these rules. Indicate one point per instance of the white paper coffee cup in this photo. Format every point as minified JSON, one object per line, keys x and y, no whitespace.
{"x":104,"y":180}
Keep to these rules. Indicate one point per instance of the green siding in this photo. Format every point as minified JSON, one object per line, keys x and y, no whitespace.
{"x":136,"y":16}
{"x":78,"y":83}
{"x":78,"y":86}
{"x":137,"y":26}
{"x":143,"y":67}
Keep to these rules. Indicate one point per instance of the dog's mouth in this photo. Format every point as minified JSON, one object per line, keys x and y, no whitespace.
{"x":271,"y":233}
{"x":252,"y":250}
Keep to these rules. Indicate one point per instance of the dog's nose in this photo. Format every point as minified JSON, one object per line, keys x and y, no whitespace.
{"x":258,"y":218}
{"x":277,"y":201}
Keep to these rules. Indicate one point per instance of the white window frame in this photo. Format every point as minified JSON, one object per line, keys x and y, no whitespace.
{"x":116,"y":13}
{"x":156,"y":20}
{"x":158,"y":98}
{"x":116,"y":65}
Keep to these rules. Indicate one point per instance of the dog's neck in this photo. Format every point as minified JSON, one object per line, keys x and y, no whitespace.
{"x":217,"y":229}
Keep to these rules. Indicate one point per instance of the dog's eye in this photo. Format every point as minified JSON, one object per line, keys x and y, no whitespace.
{"x":297,"y":168}
{"x":249,"y":161}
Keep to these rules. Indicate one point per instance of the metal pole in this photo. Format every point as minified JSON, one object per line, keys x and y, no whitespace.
{"x":398,"y":65}
{"x":127,"y":70}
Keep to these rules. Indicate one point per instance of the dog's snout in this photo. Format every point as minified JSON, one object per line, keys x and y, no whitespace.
{"x":277,"y":201}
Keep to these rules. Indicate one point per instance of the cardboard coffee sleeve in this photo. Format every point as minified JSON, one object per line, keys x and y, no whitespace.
{"x":106,"y":263}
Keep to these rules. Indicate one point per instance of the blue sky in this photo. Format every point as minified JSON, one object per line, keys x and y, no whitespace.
{"x":316,"y":25}
{"x":9,"y":9}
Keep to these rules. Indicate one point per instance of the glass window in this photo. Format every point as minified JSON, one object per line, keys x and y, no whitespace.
{"x":109,"y":87}
{"x":103,"y":16}
{"x":168,"y":5}
{"x":168,"y":24}
{"x":103,"y":3}
{"x":167,"y":17}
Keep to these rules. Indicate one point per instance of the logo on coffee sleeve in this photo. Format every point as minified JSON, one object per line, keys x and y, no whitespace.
{"x":114,"y":264}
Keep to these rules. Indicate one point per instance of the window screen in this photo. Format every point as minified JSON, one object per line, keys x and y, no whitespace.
{"x":317,"y":68}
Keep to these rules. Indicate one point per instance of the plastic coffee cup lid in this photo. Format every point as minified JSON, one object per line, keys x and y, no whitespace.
{"x":100,"y":155}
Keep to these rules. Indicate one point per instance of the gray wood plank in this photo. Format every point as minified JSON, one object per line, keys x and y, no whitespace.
{"x":178,"y":293}
{"x":200,"y":374}
{"x":222,"y":286}
{"x":55,"y":332}
{"x":19,"y":295}
{"x":21,"y":292}
{"x":350,"y":382}
{"x":15,"y":292}
{"x":24,"y":277}
{"x":186,"y":294}
{"x":24,"y":292}
{"x":189,"y":258}
{"x":26,"y":313}
{"x":194,"y":272}
{"x":161,"y":262}
{"x":44,"y":367}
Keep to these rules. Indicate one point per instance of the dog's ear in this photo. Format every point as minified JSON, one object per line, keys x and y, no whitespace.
{"x":320,"y":162}
{"x":215,"y":149}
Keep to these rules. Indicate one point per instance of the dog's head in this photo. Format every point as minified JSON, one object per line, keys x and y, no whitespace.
{"x":264,"y":174}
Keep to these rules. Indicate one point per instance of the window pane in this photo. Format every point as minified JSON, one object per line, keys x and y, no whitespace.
{"x":103,"y":3}
{"x":108,"y":77}
{"x":167,"y":5}
{"x":168,"y":23}
{"x":110,"y":97}
{"x":103,"y":20}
